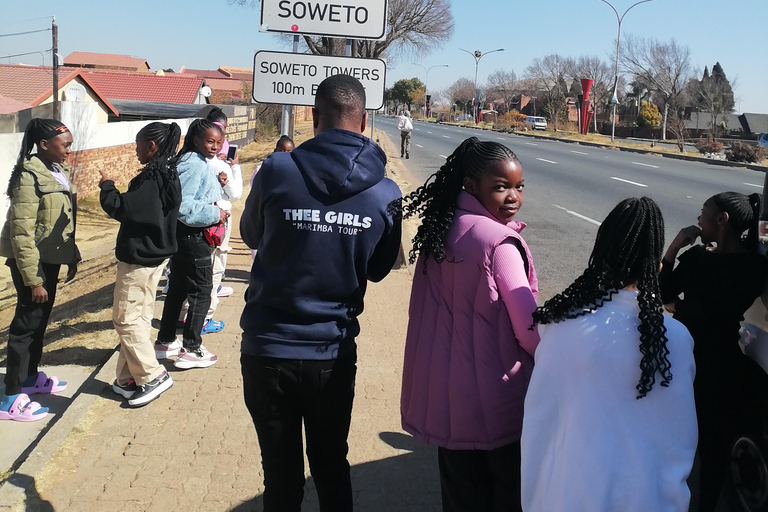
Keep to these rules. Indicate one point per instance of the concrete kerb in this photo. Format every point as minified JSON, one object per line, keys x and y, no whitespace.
{"x":722,"y":163}
{"x":22,"y":482}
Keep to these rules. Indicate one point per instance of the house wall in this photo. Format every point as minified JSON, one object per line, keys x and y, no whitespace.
{"x":90,"y":97}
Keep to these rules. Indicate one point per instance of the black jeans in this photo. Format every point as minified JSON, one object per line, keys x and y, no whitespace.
{"x":25,"y":338}
{"x":279,"y":393}
{"x":480,"y":480}
{"x":191,"y":279}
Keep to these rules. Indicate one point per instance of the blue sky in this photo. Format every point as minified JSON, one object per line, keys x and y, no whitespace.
{"x":206,"y":34}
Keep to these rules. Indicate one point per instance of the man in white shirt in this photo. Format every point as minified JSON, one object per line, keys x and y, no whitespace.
{"x":405,"y":126}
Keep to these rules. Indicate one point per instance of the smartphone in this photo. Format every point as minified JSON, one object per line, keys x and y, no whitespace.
{"x":232,"y":151}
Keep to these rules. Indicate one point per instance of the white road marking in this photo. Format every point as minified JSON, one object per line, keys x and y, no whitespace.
{"x":548,"y":161}
{"x":753,"y":185}
{"x":447,"y":137}
{"x":501,"y":138}
{"x":531,"y":144}
{"x":442,"y":156}
{"x":419,"y":146}
{"x":579,"y":152}
{"x":429,"y":131}
{"x":577,"y":215}
{"x":646,"y":165}
{"x":627,"y":181}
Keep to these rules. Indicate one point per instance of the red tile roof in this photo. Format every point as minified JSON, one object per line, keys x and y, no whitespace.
{"x":238,"y":73}
{"x":146,"y":86}
{"x":32,"y":85}
{"x":104,"y":60}
{"x":204,"y":73}
{"x":224,"y":84}
{"x":11,"y":106}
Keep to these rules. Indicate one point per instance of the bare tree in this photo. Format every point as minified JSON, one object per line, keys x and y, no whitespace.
{"x":664,"y":67}
{"x":549,"y":76}
{"x":462,"y":92}
{"x":503,"y":85}
{"x":413,"y":27}
{"x":678,"y":130}
{"x":602,"y":75}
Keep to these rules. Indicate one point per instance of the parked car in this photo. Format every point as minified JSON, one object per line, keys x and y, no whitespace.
{"x":536,"y":123}
{"x":763,"y":140}
{"x":749,"y":462}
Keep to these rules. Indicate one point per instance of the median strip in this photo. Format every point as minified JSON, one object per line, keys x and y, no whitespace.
{"x":627,"y":181}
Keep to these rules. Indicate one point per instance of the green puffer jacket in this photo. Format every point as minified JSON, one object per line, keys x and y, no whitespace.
{"x":40,"y":226}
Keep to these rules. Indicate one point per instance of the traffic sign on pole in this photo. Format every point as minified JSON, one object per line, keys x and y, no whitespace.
{"x":356,"y":19}
{"x":292,"y":78}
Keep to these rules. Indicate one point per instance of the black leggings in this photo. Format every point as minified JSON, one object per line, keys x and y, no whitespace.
{"x":25,"y":339}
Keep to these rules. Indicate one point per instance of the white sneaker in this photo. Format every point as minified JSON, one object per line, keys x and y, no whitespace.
{"x":225,"y":291}
{"x":167,"y":350}
{"x":199,"y":358}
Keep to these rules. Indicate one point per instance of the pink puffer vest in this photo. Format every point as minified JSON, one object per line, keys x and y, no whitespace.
{"x":460,"y":342}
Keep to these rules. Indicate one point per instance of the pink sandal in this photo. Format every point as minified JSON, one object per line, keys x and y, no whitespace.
{"x":45,"y":385}
{"x":23,"y":409}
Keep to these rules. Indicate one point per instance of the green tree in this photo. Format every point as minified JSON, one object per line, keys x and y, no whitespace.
{"x":713,"y":94}
{"x":649,"y":115}
{"x":402,"y":90}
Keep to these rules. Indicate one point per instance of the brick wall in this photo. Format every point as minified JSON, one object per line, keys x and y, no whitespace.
{"x":119,"y":162}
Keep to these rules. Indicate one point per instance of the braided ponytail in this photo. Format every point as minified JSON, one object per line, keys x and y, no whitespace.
{"x":743,"y":215}
{"x":37,"y":129}
{"x":435,"y":201}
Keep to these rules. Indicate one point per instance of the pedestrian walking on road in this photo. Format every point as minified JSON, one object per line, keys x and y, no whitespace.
{"x":405,"y":125}
{"x":191,"y":266}
{"x":595,"y":438}
{"x":718,"y":286}
{"x":148,"y":214}
{"x":324,"y":220}
{"x":470,"y":343}
{"x":37,"y":238}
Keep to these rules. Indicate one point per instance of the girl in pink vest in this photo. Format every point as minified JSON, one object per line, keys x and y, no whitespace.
{"x":470,"y":344}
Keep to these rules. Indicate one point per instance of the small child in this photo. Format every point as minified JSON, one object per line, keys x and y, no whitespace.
{"x":37,"y":238}
{"x":470,"y":344}
{"x":148,"y":213}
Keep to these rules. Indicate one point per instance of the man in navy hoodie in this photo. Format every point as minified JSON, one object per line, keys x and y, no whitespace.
{"x":324,"y":221}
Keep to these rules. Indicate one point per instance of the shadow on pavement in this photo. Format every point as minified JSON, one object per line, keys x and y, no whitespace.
{"x":32,"y":499}
{"x":404,"y":482}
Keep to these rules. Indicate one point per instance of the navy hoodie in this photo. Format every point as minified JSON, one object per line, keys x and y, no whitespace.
{"x":324,"y":220}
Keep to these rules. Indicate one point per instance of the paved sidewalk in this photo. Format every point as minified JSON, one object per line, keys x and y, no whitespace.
{"x":195,"y":448}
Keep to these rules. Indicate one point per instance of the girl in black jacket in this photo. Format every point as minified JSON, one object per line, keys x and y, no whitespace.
{"x":148,"y":213}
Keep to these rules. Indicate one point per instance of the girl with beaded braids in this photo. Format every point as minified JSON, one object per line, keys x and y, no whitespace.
{"x":148,"y":213}
{"x":37,"y":238}
{"x":718,"y":285}
{"x":469,"y":348}
{"x":598,"y":434}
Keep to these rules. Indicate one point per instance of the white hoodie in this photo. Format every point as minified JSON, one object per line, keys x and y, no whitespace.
{"x":233,"y":190}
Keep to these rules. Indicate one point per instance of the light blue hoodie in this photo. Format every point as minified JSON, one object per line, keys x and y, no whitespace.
{"x":199,"y":192}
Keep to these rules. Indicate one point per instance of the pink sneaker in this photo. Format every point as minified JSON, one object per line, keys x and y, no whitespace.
{"x":199,"y":358}
{"x":167,"y":350}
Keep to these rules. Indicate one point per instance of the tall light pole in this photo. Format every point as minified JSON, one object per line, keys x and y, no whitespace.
{"x":614,"y":98}
{"x":426,"y":80}
{"x":477,"y":55}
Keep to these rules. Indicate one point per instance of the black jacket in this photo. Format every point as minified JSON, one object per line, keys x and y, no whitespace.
{"x":148,"y":212}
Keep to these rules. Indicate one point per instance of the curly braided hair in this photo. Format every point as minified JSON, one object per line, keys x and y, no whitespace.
{"x":435,"y":201}
{"x":628,"y":250}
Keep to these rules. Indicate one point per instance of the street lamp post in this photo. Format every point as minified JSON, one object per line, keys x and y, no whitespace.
{"x":616,"y":69}
{"x":426,"y":81}
{"x":477,"y":55}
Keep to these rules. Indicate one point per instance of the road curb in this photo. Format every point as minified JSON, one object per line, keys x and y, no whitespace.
{"x":722,"y":163}
{"x":22,"y":482}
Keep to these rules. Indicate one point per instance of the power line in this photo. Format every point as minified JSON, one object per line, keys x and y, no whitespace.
{"x":23,"y":54}
{"x":25,"y":33}
{"x":25,"y":21}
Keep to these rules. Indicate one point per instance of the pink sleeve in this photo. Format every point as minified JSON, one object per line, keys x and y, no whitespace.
{"x":515,"y":292}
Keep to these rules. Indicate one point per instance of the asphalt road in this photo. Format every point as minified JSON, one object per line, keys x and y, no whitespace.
{"x":570,"y":188}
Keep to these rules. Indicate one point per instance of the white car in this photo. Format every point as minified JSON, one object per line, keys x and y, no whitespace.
{"x":536,"y":123}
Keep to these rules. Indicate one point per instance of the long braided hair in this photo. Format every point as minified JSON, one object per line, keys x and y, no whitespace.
{"x":166,"y":137}
{"x":435,"y":201}
{"x":196,"y":129}
{"x":628,"y":250}
{"x":37,"y":129}
{"x":743,"y":215}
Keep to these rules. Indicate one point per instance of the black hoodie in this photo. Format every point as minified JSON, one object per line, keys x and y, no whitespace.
{"x":148,"y":213}
{"x":324,"y":220}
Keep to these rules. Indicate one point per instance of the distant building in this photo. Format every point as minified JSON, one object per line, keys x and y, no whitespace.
{"x":107,"y":62}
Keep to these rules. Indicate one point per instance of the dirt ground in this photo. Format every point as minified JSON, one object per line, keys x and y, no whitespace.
{"x":80,"y":331}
